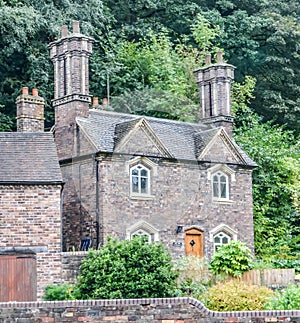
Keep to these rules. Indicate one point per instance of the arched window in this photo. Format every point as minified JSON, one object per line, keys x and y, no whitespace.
{"x":142,"y":229}
{"x":221,"y":235}
{"x":221,"y":239}
{"x":220,"y":185}
{"x":140,"y":179}
{"x":221,"y":177}
{"x":142,"y":233}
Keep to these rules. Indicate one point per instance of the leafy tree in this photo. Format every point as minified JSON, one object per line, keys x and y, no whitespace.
{"x":276,"y":189}
{"x":5,"y":121}
{"x":127,"y":269}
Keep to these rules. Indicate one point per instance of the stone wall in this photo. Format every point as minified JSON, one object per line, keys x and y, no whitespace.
{"x":71,"y":262}
{"x":30,"y":223}
{"x":168,"y":310}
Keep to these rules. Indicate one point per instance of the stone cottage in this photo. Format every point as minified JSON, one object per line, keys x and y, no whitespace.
{"x":187,"y":185}
{"x":30,"y":210}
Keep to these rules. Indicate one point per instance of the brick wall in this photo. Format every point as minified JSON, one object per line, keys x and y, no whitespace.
{"x":169,"y":310}
{"x":30,"y":222}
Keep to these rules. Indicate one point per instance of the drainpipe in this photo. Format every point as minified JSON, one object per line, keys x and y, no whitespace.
{"x":97,"y":205}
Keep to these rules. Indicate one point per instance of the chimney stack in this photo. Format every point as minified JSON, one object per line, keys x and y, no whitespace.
{"x":214,"y":82}
{"x":30,"y":111}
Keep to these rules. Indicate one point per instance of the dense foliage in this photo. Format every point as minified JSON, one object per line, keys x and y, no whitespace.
{"x":231,"y":259}
{"x":235,"y":295}
{"x":276,"y":188}
{"x":286,"y":299}
{"x":127,"y":269}
{"x":59,"y":293}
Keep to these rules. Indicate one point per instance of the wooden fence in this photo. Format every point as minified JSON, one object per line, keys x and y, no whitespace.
{"x":270,"y":277}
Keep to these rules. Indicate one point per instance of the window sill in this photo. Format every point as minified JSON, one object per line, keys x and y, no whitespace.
{"x":223,"y":201}
{"x":141,"y":197}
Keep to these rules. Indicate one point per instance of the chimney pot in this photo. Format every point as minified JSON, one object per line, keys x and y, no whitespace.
{"x":76,"y":27}
{"x":105,"y":101}
{"x":95,"y":101}
{"x":208,"y":59}
{"x":35,"y":92}
{"x":220,"y":57}
{"x":64,"y":31}
{"x":24,"y":90}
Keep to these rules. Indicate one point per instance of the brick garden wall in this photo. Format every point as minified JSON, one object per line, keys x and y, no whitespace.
{"x":169,"y":310}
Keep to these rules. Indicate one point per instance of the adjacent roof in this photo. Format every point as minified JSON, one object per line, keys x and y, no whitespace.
{"x":28,"y":158}
{"x":183,"y":140}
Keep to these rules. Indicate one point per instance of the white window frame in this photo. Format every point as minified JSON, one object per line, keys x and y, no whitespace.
{"x":140,"y":177}
{"x":147,"y":164}
{"x":219,"y":171}
{"x":143,"y":228}
{"x":218,"y":190}
{"x":225,"y":230}
{"x":221,"y":235}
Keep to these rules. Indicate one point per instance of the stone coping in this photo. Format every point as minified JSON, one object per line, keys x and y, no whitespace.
{"x":152,"y":301}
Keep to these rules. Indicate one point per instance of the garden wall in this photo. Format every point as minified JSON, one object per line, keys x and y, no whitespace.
{"x":158,"y":310}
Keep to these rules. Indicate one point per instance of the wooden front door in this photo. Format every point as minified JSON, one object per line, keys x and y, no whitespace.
{"x":17,"y":278}
{"x":194,"y":242}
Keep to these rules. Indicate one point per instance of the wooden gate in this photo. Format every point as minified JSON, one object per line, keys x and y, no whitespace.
{"x":194,"y":242}
{"x":17,"y":278}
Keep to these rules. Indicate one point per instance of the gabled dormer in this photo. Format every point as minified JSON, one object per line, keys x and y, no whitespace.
{"x":136,"y":137}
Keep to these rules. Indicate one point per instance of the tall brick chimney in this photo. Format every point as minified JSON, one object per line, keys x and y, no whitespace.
{"x":214,"y":82}
{"x":30,"y":111}
{"x":70,"y":56}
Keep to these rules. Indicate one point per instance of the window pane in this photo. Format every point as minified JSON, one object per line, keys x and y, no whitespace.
{"x":144,"y":188}
{"x":217,"y":240}
{"x":223,"y":179}
{"x":223,"y":190}
{"x":135,"y":184}
{"x":144,"y":173}
{"x":134,"y":171}
{"x":225,"y":240}
{"x":215,"y":189}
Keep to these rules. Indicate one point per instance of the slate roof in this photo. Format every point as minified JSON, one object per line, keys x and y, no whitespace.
{"x":183,"y":140}
{"x":28,"y":158}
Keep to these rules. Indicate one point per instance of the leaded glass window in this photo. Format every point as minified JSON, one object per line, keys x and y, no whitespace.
{"x":221,"y":239}
{"x":139,"y":180}
{"x":220,"y":186}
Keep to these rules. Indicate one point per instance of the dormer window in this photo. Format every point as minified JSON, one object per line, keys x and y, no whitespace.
{"x":140,"y":179}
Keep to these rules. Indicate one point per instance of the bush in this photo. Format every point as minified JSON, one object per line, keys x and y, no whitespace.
{"x":235,"y":295}
{"x":127,"y":269}
{"x":287,"y":263}
{"x":59,"y":293}
{"x":232,"y":259}
{"x":195,"y":289}
{"x":286,"y":299}
{"x":194,"y":269}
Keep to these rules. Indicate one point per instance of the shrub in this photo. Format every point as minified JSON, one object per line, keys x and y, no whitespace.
{"x":127,"y":269}
{"x":193,"y":289}
{"x":59,"y":293}
{"x":235,"y":295}
{"x":194,"y":269}
{"x":232,"y":259}
{"x":286,"y":299}
{"x":287,"y":263}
